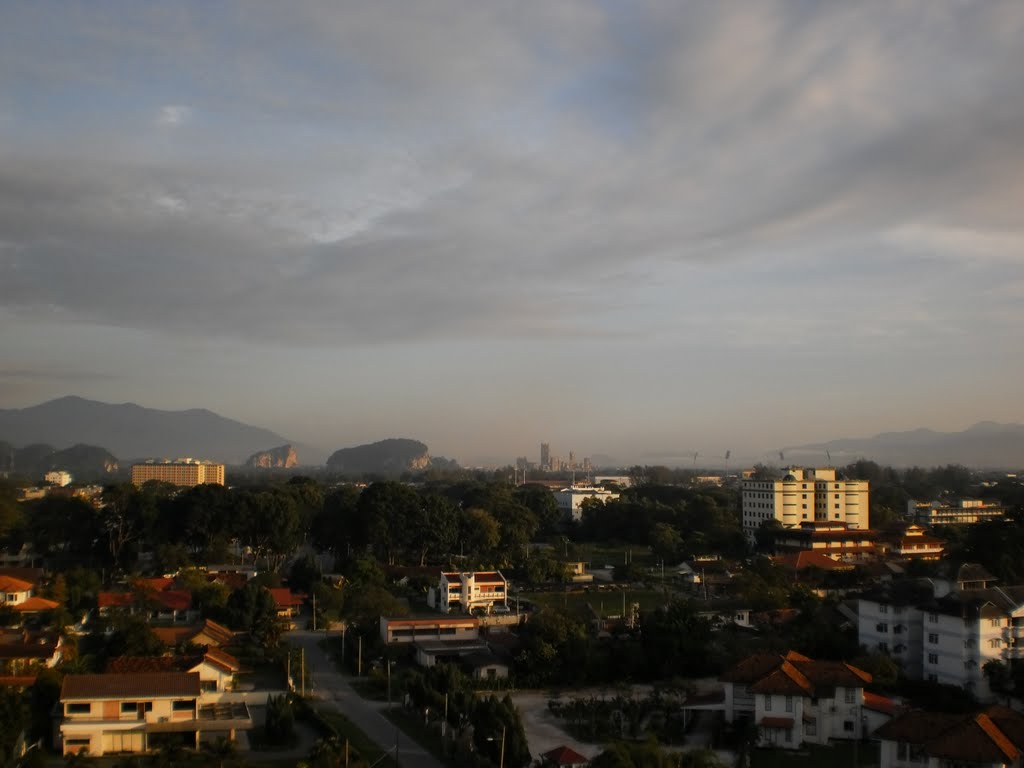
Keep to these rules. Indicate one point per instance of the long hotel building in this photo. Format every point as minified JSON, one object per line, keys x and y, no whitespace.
{"x":804,"y":495}
{"x":183,"y":472}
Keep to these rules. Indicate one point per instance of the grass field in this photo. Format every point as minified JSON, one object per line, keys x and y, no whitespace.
{"x":606,"y":602}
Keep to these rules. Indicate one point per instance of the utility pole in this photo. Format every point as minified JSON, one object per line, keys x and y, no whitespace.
{"x":359,"y":663}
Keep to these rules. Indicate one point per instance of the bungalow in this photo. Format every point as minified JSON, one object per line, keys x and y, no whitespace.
{"x":287,"y":603}
{"x":411,"y":630}
{"x":113,"y":713}
{"x":209,"y":633}
{"x":23,"y":653}
{"x":169,"y":606}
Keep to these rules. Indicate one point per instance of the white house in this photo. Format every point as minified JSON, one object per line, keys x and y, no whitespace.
{"x":570,"y":500}
{"x":794,"y":700}
{"x":469,"y":590}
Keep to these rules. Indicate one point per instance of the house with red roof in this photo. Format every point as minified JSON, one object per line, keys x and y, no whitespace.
{"x":216,"y":668}
{"x":287,"y":603}
{"x":18,"y":594}
{"x":993,"y":737}
{"x":564,"y":757}
{"x":155,"y":598}
{"x":794,"y":700}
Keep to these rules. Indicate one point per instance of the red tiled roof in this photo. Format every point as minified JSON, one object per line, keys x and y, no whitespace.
{"x":794,"y":674}
{"x":115,"y":599}
{"x":17,"y":681}
{"x":564,"y":756}
{"x":285,"y":598}
{"x":883,"y":704}
{"x":452,"y":578}
{"x":116,"y":686}
{"x":809,"y":558}
{"x":171,"y":636}
{"x":222,"y":659}
{"x":34,"y":604}
{"x":158,"y":584}
{"x":990,"y":736}
{"x":776,"y":722}
{"x":490,"y":577}
{"x":11,"y":584}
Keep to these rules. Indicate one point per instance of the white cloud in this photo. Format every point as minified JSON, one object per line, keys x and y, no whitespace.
{"x":173,"y":114}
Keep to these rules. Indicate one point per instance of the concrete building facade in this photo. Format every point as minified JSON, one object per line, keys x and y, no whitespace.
{"x":804,"y":495}
{"x":184,"y":472}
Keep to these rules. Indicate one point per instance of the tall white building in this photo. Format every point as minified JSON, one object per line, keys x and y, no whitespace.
{"x":946,"y":639}
{"x":804,"y":495}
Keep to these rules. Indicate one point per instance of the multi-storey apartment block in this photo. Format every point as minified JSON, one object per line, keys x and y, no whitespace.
{"x":959,"y":512}
{"x":946,"y":639}
{"x":804,"y":495}
{"x":183,"y":472}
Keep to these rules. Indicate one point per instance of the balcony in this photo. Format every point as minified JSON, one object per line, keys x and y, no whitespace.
{"x":1016,"y":632}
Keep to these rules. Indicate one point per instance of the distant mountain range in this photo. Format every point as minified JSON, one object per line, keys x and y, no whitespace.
{"x":985,"y":445}
{"x":129,"y":431}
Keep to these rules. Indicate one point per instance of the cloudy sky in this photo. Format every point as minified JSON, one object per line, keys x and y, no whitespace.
{"x":638,"y":229}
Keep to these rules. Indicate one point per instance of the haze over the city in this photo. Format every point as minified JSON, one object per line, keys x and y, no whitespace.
{"x":635,"y":229}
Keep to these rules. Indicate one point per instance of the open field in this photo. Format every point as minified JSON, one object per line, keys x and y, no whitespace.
{"x":607,"y":602}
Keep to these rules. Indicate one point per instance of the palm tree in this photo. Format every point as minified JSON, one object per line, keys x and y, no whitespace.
{"x":222,"y":750}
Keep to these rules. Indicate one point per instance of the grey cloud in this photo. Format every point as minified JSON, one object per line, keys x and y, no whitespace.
{"x":536,"y":154}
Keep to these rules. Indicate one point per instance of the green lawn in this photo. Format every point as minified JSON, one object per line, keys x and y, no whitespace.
{"x":606,"y":603}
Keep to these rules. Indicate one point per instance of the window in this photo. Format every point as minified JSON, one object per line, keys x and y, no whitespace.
{"x":79,"y":709}
{"x":789,"y":703}
{"x":933,"y":678}
{"x":850,"y":696}
{"x":183,"y":705}
{"x":993,"y":622}
{"x":882,"y":627}
{"x":789,"y":735}
{"x":811,"y":727}
{"x":77,"y":744}
{"x":933,"y":618}
{"x":933,"y":658}
{"x":848,"y":726}
{"x":995,"y":643}
{"x":767,"y":702}
{"x":837,"y":496}
{"x":883,"y":608}
{"x":933,"y":638}
{"x":883,"y":646}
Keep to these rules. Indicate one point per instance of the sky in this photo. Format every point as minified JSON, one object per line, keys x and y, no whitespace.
{"x":640,"y":230}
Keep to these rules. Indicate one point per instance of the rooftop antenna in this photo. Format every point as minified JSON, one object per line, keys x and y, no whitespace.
{"x":695,"y":455}
{"x":782,"y":457}
{"x":829,"y":457}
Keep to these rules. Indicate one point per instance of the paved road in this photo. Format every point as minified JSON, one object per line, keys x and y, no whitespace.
{"x":332,"y":690}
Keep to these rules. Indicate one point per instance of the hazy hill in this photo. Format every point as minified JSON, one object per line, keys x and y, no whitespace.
{"x":985,"y":445}
{"x":282,"y":457}
{"x":387,"y":457}
{"x":130,"y":431}
{"x":86,"y":463}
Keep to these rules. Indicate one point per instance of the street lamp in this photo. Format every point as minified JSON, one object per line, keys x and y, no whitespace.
{"x":501,"y":758}
{"x":389,"y":663}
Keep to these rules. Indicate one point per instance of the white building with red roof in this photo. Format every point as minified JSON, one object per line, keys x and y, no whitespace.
{"x":793,"y":699}
{"x":467,"y":591}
